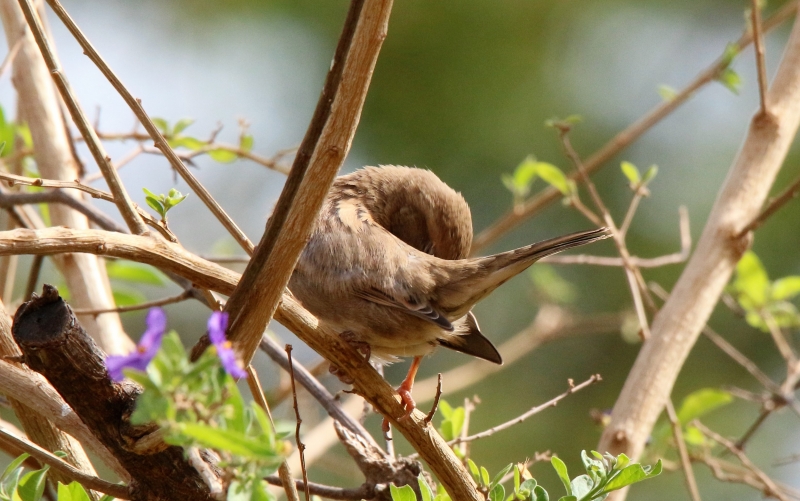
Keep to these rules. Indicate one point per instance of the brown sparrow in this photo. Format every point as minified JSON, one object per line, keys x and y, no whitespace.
{"x":387,"y":266}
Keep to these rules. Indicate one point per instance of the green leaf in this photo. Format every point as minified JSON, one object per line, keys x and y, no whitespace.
{"x":540,"y":494}
{"x":16,"y":463}
{"x":161,"y":125}
{"x":751,"y":283}
{"x":31,"y":486}
{"x":785,"y":288}
{"x":484,"y":476}
{"x":701,"y":402}
{"x":581,"y":485}
{"x":553,"y":176}
{"x":127,"y":297}
{"x":632,"y":474}
{"x":174,"y":198}
{"x":730,"y":53}
{"x":155,"y":205}
{"x":498,"y":493}
{"x":445,"y":409}
{"x":405,"y":493}
{"x":693,"y":436}
{"x":188,"y":142}
{"x":567,"y":498}
{"x":650,"y":174}
{"x":525,"y":174}
{"x":424,"y":488}
{"x":246,"y":142}
{"x":561,"y":471}
{"x":72,"y":492}
{"x":130,"y":271}
{"x":497,"y":478}
{"x":667,"y":93}
{"x":731,"y":80}
{"x":181,"y":125}
{"x":473,"y":468}
{"x":631,"y":172}
{"x":222,"y":155}
{"x":228,"y":440}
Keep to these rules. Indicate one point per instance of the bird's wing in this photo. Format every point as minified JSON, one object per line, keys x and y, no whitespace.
{"x":472,"y":341}
{"x":418,"y":308}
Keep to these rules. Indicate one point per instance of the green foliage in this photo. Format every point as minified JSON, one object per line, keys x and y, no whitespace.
{"x":696,"y":405}
{"x":16,"y":486}
{"x":635,"y":179}
{"x":519,"y":183}
{"x":136,"y":273}
{"x":727,"y":76}
{"x":163,"y":203}
{"x":762,"y":299}
{"x":453,"y":421}
{"x":199,"y":405}
{"x":604,"y":474}
{"x":176,"y":139}
{"x":9,"y":132}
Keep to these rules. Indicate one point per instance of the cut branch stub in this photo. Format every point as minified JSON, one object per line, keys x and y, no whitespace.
{"x":54,"y":344}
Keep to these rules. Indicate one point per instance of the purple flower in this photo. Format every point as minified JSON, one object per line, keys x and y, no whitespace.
{"x":146,"y":349}
{"x":216,"y":333}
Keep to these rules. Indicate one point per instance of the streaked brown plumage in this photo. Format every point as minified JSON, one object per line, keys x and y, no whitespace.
{"x":387,"y":263}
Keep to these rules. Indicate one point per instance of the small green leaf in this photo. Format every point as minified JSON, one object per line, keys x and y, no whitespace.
{"x":553,"y":176}
{"x":701,"y":402}
{"x":667,"y":93}
{"x":155,"y":205}
{"x":786,"y":288}
{"x":130,"y":271}
{"x":540,"y":494}
{"x":246,"y":142}
{"x":228,"y":440}
{"x":127,"y":297}
{"x":424,"y":488}
{"x":497,"y":478}
{"x":181,"y":125}
{"x":188,"y":142}
{"x":485,"y":476}
{"x":730,"y":53}
{"x":632,"y":474}
{"x":473,"y":468}
{"x":751,"y":282}
{"x":222,"y":155}
{"x":161,"y":125}
{"x":72,"y":492}
{"x":561,"y":471}
{"x":498,"y":493}
{"x":693,"y":436}
{"x":16,"y":463}
{"x":568,"y":498}
{"x":631,"y":172}
{"x":650,"y":174}
{"x":405,"y":493}
{"x":581,"y":485}
{"x":31,"y":486}
{"x":731,"y":80}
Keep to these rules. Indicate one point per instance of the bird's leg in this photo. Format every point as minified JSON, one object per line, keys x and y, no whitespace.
{"x":362,"y":347}
{"x":404,"y":390}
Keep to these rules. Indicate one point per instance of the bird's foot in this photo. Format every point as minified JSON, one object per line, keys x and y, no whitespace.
{"x":404,"y":391}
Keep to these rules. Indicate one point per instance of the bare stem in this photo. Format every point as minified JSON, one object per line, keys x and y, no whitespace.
{"x":758,"y":39}
{"x":686,"y":464}
{"x":301,"y":447}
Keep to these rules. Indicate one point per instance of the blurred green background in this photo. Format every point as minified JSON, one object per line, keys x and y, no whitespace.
{"x":464,"y":89}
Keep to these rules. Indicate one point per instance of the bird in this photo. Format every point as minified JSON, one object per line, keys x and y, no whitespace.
{"x":387,"y":267}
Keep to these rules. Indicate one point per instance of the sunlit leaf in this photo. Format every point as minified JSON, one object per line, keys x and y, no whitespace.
{"x":127,"y":297}
{"x":553,"y":176}
{"x":701,"y":402}
{"x":581,"y":485}
{"x":188,"y":142}
{"x":631,"y":172}
{"x":561,"y":471}
{"x":131,"y":271}
{"x":632,"y":474}
{"x":31,"y":485}
{"x":222,"y":155}
{"x":246,"y":142}
{"x":667,"y":93}
{"x":424,"y":488}
{"x":752,"y":282}
{"x":181,"y":125}
{"x":161,"y":125}
{"x":731,"y":80}
{"x":786,"y":288}
{"x":404,"y":493}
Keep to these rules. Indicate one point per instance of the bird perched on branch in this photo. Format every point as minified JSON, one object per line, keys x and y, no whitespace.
{"x":387,"y":267}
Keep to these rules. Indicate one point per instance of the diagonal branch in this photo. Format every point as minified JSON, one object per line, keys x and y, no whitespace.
{"x":680,"y":321}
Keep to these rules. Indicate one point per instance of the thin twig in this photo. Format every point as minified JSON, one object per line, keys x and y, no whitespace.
{"x":772,"y":207}
{"x":619,"y":239}
{"x":539,"y":408}
{"x":779,"y":339}
{"x":94,"y":192}
{"x":436,"y":398}
{"x":624,"y":138}
{"x":122,"y":162}
{"x":771,"y":489}
{"x":640,"y":193}
{"x":66,"y":469}
{"x":301,"y":447}
{"x":12,"y":53}
{"x":183,"y":296}
{"x":686,"y":464}
{"x":758,"y":41}
{"x":121,"y":198}
{"x":327,"y":491}
{"x":762,"y":416}
{"x":60,"y":197}
{"x":159,"y":140}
